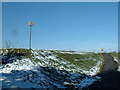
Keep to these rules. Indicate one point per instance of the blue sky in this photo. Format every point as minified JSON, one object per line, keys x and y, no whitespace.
{"x":83,"y":26}
{"x":0,"y":25}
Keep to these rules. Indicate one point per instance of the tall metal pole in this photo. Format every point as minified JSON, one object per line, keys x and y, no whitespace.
{"x":30,"y":27}
{"x":30,"y":36}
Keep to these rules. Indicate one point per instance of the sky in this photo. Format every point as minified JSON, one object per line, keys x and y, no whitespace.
{"x":82,"y":26}
{"x":0,"y":25}
{"x":60,"y":0}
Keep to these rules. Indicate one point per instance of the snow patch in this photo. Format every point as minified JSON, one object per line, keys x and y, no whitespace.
{"x":73,"y":52}
{"x":118,"y":68}
{"x":94,"y":70}
{"x":86,"y":82}
{"x":26,"y":73}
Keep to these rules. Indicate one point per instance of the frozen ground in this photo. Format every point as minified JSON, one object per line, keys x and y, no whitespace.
{"x":44,"y":69}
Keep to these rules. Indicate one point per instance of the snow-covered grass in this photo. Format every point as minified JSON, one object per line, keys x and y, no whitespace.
{"x":80,"y":62}
{"x":83,"y":62}
{"x":116,"y":57}
{"x":24,"y":68}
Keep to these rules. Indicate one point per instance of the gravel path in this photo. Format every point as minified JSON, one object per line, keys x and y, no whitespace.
{"x":109,"y":64}
{"x":110,"y":77}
